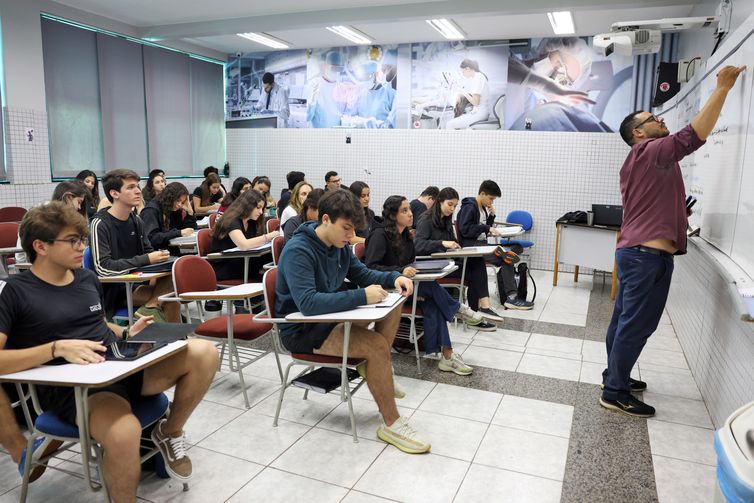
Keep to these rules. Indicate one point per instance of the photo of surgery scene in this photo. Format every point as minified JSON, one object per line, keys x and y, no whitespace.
{"x":561,"y":84}
{"x":458,"y":85}
{"x":352,"y":87}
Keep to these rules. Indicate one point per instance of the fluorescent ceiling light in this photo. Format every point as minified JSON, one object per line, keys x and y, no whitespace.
{"x":447,"y":28}
{"x":264,"y":39}
{"x":562,"y":22}
{"x":351,"y":34}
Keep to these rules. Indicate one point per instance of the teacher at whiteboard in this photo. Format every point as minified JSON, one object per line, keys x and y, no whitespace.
{"x":653,"y":231}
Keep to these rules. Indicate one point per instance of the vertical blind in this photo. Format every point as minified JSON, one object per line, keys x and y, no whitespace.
{"x":116,"y":103}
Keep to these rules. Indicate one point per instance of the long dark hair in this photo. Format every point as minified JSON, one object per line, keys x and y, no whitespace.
{"x":210,"y":180}
{"x":435,"y":213}
{"x":235,"y":191}
{"x":357,"y":188}
{"x":389,"y":222}
{"x":148,"y":192}
{"x":93,"y":197}
{"x":167,"y":198}
{"x":241,"y":207}
{"x":68,"y":189}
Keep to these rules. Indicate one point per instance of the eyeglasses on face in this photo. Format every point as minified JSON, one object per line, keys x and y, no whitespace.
{"x":75,"y":242}
{"x":649,"y":119}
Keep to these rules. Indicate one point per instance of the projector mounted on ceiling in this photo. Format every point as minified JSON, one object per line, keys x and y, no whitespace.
{"x":644,"y":37}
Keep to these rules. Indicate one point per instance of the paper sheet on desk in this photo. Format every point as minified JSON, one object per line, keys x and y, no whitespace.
{"x":389,"y":301}
{"x":203,"y":221}
{"x":258,"y":248}
{"x":513,"y":230}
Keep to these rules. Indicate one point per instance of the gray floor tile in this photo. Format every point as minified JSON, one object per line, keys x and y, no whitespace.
{"x":683,"y":481}
{"x":485,"y":483}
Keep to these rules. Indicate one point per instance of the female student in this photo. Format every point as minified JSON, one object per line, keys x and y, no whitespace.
{"x":240,"y":185}
{"x":206,"y":198}
{"x":300,"y":192}
{"x":434,"y":233}
{"x":168,"y":216}
{"x":309,"y":211}
{"x":263,"y":185}
{"x":242,"y":226}
{"x":92,"y":183}
{"x":73,"y":193}
{"x":155,"y":183}
{"x":390,"y":247}
{"x":361,"y":191}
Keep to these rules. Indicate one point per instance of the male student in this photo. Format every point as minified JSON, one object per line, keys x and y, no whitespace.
{"x":332,"y":181}
{"x":424,"y":202}
{"x":54,"y":312}
{"x":120,"y":245}
{"x":476,"y":220}
{"x":311,"y":272}
{"x":653,"y":231}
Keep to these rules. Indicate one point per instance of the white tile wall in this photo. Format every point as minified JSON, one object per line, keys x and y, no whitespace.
{"x":546,"y":174}
{"x":719,"y":347}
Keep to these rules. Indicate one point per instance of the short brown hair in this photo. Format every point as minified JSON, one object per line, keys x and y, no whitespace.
{"x":46,"y":222}
{"x":113,"y":180}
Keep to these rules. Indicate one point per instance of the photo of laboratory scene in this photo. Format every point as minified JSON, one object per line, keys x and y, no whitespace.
{"x":561,"y":84}
{"x":458,"y":85}
{"x":351,"y":87}
{"x":267,"y":89}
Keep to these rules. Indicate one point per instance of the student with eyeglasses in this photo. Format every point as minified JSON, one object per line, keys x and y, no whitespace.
{"x":653,"y":232}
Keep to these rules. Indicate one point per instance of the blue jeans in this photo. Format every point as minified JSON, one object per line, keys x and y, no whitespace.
{"x":439,"y":308}
{"x":642,"y":293}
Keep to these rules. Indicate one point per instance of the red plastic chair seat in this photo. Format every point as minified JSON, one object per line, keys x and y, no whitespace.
{"x":308,"y":357}
{"x":244,"y":327}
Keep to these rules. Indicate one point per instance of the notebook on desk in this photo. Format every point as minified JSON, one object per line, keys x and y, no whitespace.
{"x":430,"y":266}
{"x":164,"y":332}
{"x":266,"y":246}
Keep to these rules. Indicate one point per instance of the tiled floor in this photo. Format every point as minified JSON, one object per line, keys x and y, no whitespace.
{"x":522,"y":428}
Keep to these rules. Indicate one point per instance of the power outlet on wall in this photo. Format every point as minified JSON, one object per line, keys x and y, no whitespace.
{"x":348,"y":139}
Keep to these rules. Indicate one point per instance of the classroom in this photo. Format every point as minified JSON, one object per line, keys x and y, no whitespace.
{"x":377,"y":251}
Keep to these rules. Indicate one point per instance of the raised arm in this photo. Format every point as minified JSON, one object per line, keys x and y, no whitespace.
{"x":707,"y":117}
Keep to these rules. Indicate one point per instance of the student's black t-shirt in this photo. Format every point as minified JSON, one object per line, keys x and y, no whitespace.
{"x":213,"y":198}
{"x":226,"y":243}
{"x":126,"y":248}
{"x":417,"y":208}
{"x":34,"y":312}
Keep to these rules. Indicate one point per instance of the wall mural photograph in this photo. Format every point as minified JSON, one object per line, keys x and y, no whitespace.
{"x":549,"y":84}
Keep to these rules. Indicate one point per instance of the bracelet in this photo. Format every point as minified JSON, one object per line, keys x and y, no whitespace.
{"x":53,"y":349}
{"x":124,"y":333}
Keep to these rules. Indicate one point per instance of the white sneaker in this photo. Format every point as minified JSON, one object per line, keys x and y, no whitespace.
{"x":455,"y":364}
{"x":403,"y":436}
{"x":469,"y":316}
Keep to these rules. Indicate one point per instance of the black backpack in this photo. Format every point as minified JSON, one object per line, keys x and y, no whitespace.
{"x":522,"y":271}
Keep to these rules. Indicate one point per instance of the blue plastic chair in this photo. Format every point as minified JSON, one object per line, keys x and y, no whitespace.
{"x":525,"y":220}
{"x":49,"y":425}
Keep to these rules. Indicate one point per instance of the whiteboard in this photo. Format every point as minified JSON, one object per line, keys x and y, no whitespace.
{"x":721,"y":173}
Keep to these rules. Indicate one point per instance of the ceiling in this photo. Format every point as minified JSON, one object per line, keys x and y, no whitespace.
{"x":301,"y":23}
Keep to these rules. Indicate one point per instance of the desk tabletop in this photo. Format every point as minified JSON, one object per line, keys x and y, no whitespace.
{"x":184,"y":241}
{"x":244,"y":291}
{"x":94,"y":375}
{"x":469,"y":251}
{"x":360,"y":315}
{"x":613,"y":228}
{"x":432,"y":276}
{"x":133,"y":278}
{"x":237,"y":252}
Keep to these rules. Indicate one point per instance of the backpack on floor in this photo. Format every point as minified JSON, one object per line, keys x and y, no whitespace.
{"x":522,"y":275}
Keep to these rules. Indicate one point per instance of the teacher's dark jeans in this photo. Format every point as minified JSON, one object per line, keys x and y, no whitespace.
{"x":642,"y":293}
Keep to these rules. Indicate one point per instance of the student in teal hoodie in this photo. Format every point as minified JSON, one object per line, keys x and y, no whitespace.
{"x":311,"y":272}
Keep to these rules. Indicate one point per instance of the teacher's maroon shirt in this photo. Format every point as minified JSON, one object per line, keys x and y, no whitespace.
{"x":651,"y":185}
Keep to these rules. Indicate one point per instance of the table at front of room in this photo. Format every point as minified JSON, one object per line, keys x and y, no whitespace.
{"x":588,"y":246}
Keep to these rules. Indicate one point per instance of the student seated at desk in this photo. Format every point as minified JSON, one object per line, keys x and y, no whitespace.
{"x":424,"y":202}
{"x":206,"y":197}
{"x":168,"y":216}
{"x":308,"y":212}
{"x":242,"y":226}
{"x":300,"y":192}
{"x":310,"y":277}
{"x":89,"y":178}
{"x":155,"y":184}
{"x":240,"y":185}
{"x":120,"y":245}
{"x":435,"y":234}
{"x":390,"y":247}
{"x":54,"y":312}
{"x":476,"y":220}
{"x":262,"y":184}
{"x":293,"y":177}
{"x":362,"y":192}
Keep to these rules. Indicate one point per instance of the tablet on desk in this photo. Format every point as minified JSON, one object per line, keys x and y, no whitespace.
{"x":164,"y":332}
{"x":127,"y":351}
{"x":430,"y":266}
